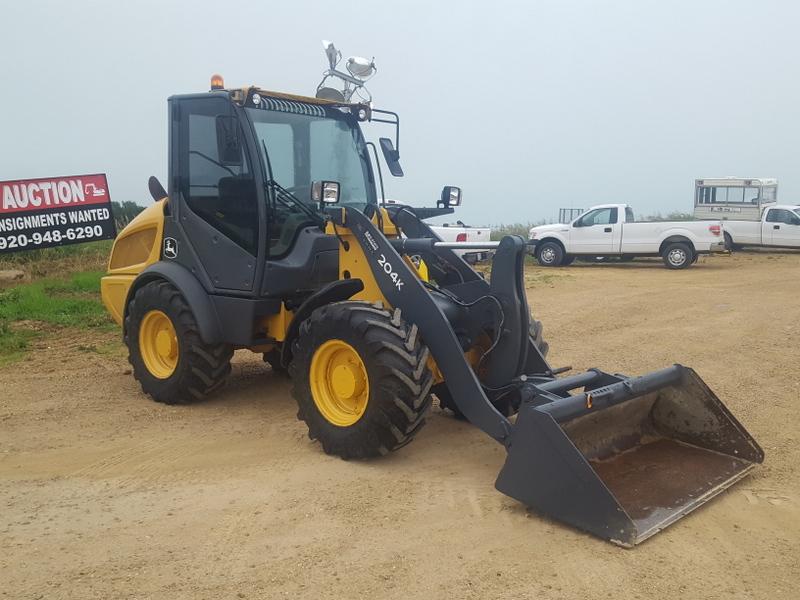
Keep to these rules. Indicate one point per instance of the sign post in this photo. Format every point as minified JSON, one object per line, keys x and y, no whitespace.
{"x":54,"y":211}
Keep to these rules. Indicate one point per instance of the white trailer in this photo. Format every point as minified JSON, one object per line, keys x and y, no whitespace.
{"x":733,"y":198}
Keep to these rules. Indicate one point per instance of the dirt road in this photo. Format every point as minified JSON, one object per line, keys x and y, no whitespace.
{"x":105,"y":494}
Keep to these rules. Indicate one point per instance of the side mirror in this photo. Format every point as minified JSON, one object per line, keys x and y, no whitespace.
{"x":325,"y":192}
{"x":451,"y":196}
{"x":391,"y":156}
{"x":229,"y":149}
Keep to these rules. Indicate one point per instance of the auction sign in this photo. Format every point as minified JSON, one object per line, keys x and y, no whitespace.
{"x":54,"y":211}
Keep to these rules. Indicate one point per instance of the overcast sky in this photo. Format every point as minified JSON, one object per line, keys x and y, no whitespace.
{"x":528,"y":106}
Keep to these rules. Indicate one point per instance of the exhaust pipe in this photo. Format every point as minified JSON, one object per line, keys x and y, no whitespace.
{"x":625,"y":460}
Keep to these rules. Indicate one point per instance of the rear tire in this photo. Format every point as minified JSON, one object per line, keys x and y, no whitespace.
{"x":398,"y":380}
{"x":567,"y":260}
{"x":677,"y":255}
{"x":550,"y":254}
{"x":197,"y":368}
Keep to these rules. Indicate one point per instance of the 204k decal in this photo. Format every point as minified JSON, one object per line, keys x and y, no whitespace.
{"x":389,"y":270}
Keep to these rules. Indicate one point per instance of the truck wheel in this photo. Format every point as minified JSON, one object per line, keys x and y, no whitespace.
{"x":567,"y":260}
{"x":677,"y":255}
{"x":550,"y":254}
{"x":361,"y":379}
{"x":168,"y":356}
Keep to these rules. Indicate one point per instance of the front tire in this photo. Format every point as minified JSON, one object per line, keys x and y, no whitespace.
{"x":677,"y":255}
{"x":361,"y":379}
{"x":550,"y":254}
{"x":168,"y":356}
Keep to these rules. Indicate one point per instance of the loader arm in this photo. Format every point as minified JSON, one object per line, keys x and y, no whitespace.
{"x":403,"y":289}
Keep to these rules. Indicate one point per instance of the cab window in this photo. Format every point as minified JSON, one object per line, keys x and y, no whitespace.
{"x":598,"y":216}
{"x":780,"y":215}
{"x":220,"y":189}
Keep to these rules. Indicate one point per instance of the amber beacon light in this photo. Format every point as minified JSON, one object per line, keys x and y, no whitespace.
{"x":216,"y":82}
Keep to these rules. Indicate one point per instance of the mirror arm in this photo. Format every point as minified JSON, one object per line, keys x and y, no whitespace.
{"x":395,"y":122}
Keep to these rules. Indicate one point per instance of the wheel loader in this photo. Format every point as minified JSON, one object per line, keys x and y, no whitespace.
{"x":271,"y":236}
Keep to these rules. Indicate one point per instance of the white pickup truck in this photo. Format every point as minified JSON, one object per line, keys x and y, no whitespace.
{"x":779,"y":227}
{"x":459,"y":232}
{"x":610,"y":230}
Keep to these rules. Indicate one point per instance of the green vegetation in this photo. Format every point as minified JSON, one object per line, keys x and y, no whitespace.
{"x":55,"y":262}
{"x":522,"y":229}
{"x":675,"y":215}
{"x":26,"y":310}
{"x":124,"y":212}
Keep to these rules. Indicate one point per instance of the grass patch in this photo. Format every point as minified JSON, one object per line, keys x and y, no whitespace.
{"x":54,"y":262}
{"x":13,"y":343}
{"x":72,"y":302}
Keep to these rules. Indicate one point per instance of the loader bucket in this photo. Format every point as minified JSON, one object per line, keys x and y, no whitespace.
{"x":626,"y":460}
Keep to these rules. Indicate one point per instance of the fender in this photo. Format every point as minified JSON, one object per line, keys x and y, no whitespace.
{"x":554,"y":236}
{"x":335,"y":291}
{"x":677,"y":237}
{"x":190,"y":288}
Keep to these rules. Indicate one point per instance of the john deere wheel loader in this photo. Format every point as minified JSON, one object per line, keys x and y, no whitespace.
{"x":271,"y":237}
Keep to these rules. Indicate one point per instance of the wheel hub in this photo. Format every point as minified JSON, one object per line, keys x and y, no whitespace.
{"x":158,"y":344}
{"x":339,"y":383}
{"x":677,"y":257}
{"x":548,"y":255}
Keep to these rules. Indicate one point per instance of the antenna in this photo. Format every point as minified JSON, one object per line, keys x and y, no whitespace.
{"x":359,"y":71}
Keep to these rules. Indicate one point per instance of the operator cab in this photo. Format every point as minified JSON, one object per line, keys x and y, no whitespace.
{"x":243,"y":166}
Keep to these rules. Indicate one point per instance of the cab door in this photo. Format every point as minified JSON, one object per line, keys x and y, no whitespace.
{"x":214,"y":198}
{"x":783,"y":228}
{"x":596,"y":232}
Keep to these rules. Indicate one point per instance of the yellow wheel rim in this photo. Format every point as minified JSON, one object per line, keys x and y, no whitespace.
{"x":158,"y":344}
{"x":339,"y":383}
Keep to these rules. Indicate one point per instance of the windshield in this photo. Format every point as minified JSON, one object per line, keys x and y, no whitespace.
{"x":302,"y":148}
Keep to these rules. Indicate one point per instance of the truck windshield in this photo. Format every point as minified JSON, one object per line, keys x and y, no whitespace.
{"x":302,"y":148}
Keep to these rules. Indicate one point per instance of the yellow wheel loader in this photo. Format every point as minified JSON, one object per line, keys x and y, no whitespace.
{"x":271,"y":236}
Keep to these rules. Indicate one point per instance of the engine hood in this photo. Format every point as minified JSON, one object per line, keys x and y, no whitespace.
{"x":538,"y":231}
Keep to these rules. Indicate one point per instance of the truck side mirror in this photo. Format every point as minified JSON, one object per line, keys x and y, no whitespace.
{"x":229,"y":148}
{"x":325,"y":192}
{"x":451,"y":196}
{"x":391,"y":156}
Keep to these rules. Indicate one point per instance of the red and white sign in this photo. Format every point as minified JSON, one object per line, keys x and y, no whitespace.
{"x":54,"y":211}
{"x":53,"y":192}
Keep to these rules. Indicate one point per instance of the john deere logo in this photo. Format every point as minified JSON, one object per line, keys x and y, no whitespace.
{"x":170,"y":247}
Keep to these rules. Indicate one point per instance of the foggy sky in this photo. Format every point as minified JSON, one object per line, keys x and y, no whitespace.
{"x":528,"y":106}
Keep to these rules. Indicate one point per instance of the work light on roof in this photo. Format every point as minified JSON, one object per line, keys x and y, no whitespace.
{"x":343,"y":86}
{"x":217,"y":82}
